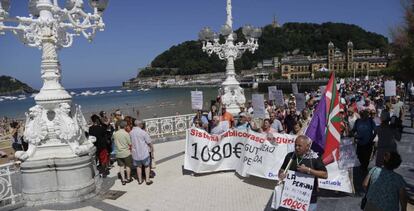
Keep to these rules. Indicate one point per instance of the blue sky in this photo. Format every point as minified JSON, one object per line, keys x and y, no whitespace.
{"x":137,"y":31}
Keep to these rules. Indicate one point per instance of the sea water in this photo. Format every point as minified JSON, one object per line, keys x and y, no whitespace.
{"x":150,"y":103}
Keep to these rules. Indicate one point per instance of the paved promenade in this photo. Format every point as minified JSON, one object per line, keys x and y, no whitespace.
{"x":176,"y":189}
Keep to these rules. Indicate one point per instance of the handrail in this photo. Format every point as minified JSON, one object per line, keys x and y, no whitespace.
{"x":170,"y":125}
{"x":10,"y":185}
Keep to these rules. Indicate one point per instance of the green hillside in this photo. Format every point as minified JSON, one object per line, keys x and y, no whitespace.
{"x":10,"y":85}
{"x":188,"y":58}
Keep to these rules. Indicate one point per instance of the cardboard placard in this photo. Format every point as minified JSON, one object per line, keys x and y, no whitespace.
{"x":258,"y":106}
{"x":279,"y":100}
{"x":300,"y":101}
{"x":272,"y":91}
{"x":390,"y":88}
{"x":297,"y":191}
{"x":295,"y":88}
{"x":197,"y":100}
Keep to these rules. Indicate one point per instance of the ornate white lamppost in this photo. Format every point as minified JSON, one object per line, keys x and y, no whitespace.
{"x":59,"y":165}
{"x":232,"y":95}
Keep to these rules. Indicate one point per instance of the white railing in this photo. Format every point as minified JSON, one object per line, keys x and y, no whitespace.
{"x":170,"y":125}
{"x":10,"y":185}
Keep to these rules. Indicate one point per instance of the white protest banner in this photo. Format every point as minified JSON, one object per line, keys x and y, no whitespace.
{"x":258,"y":106}
{"x":279,"y":100}
{"x":297,"y":191}
{"x":300,"y":102}
{"x":263,"y":159}
{"x":209,"y":153}
{"x":337,"y":179}
{"x":249,"y":153}
{"x":347,"y":155}
{"x":197,"y":100}
{"x":295,"y":88}
{"x":390,"y":88}
{"x":271,"y":90}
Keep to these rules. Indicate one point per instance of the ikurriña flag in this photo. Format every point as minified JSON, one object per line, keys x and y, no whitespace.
{"x":324,"y":128}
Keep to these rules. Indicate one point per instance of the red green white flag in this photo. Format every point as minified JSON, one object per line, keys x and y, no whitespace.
{"x":333,"y":125}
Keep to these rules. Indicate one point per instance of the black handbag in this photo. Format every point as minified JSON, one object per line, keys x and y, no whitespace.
{"x":364,"y":199}
{"x":363,"y":202}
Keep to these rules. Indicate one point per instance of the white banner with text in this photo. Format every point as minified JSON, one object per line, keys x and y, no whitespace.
{"x":249,"y":153}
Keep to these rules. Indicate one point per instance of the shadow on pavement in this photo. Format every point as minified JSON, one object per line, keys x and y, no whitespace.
{"x":259,"y":182}
{"x":189,"y":172}
{"x":96,"y":202}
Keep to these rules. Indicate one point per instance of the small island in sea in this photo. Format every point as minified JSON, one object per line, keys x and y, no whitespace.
{"x":12,"y":86}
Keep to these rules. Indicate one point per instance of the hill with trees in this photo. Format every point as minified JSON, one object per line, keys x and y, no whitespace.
{"x":11,"y":86}
{"x":306,"y":38}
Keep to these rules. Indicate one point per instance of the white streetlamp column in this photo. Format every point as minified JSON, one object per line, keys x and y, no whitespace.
{"x":232,"y":95}
{"x":59,"y":165}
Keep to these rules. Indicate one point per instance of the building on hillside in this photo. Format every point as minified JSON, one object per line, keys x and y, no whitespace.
{"x":352,"y":60}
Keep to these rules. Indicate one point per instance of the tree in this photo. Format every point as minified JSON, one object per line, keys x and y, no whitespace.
{"x":189,"y":58}
{"x":403,"y":45}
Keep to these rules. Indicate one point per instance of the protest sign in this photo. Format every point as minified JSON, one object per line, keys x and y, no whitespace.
{"x":347,"y":155}
{"x":390,"y":88}
{"x":300,"y":101}
{"x":258,"y":106}
{"x":279,"y":100}
{"x":272,"y":91}
{"x":295,"y":88}
{"x":342,"y":81}
{"x":247,"y":152}
{"x":250,"y":153}
{"x":338,"y":179}
{"x":197,"y":100}
{"x":297,"y":191}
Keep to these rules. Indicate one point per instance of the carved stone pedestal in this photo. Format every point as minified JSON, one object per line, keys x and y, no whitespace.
{"x":56,"y":175}
{"x":59,"y":164}
{"x":233,"y":97}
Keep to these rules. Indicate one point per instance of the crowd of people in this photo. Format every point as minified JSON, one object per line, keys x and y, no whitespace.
{"x":372,"y":120}
{"x":125,"y":138}
{"x":369,"y":118}
{"x":118,"y":138}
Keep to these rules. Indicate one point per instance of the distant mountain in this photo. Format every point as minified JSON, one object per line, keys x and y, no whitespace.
{"x":305,"y":38}
{"x":10,"y":86}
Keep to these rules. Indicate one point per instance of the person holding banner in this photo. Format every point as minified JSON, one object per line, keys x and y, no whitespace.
{"x":219,"y":127}
{"x":305,"y":160}
{"x":243,"y":123}
{"x":266,"y":127}
{"x":199,"y":117}
{"x":276,"y":123}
